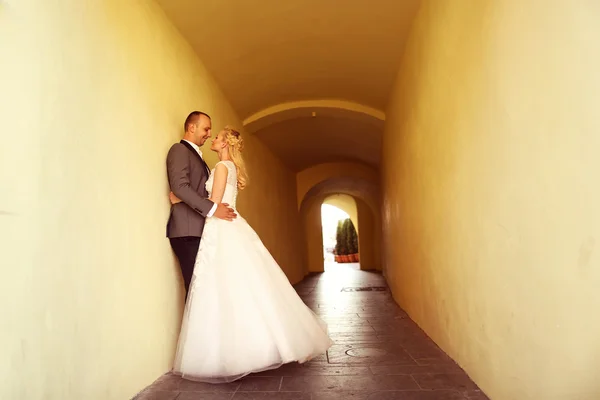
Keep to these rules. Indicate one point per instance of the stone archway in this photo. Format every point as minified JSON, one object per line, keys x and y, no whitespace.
{"x":365,"y":194}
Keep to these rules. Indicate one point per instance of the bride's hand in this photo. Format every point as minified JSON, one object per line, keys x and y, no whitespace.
{"x":174,"y":199}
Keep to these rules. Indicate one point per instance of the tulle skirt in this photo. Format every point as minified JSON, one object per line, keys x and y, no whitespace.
{"x":242,"y":315}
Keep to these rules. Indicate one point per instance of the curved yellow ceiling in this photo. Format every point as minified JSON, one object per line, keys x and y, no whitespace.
{"x":270,"y":53}
{"x":304,"y":108}
{"x":304,"y":142}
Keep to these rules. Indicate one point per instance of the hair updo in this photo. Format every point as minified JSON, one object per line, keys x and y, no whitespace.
{"x":235,"y":144}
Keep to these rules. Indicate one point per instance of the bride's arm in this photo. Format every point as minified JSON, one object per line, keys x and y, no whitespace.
{"x":219,"y":183}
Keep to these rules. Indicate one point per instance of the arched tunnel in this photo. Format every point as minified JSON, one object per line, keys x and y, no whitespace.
{"x":465,"y":132}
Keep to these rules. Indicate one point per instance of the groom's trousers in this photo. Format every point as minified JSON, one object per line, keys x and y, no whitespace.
{"x":186,"y":249}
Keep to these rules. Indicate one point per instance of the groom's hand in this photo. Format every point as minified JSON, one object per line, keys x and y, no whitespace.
{"x":225,"y":212}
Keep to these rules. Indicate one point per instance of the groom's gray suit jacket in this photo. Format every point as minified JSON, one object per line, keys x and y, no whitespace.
{"x":187,"y":174}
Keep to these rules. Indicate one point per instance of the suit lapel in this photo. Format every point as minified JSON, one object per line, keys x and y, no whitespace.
{"x":189,"y":146}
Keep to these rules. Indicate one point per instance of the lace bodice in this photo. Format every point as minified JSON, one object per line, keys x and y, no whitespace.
{"x":231,"y":190}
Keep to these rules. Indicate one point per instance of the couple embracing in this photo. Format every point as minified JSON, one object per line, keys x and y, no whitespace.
{"x":241,"y":315}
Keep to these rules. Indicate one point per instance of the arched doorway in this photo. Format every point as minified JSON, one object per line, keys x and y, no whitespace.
{"x":367,"y":223}
{"x":336,"y":209}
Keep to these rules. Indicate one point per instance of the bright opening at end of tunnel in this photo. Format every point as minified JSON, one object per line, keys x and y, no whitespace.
{"x":331,"y":216}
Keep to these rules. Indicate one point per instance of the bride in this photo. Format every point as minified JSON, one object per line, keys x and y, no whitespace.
{"x":242,"y":315}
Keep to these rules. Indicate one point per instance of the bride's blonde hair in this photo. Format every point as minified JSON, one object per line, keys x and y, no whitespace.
{"x":236,"y":145}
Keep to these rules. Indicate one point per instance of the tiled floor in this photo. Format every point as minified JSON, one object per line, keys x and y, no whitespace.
{"x":380,"y":354}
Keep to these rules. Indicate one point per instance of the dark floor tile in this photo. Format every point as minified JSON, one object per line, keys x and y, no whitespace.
{"x":350,"y":308}
{"x":389,"y":395}
{"x":157,"y":395}
{"x":379,"y":354}
{"x":260,"y":384}
{"x":290,"y":369}
{"x":360,"y":340}
{"x":385,"y":320}
{"x":271,"y":396}
{"x":476,"y":395}
{"x":459,"y":381}
{"x":191,"y":386}
{"x":338,"y":314}
{"x":440,"y":360}
{"x":353,"y":362}
{"x":371,"y":335}
{"x":377,"y":308}
{"x":358,"y":329}
{"x":204,"y":396}
{"x":369,"y":354}
{"x":393,"y":328}
{"x":349,"y":383}
{"x":379,"y":314}
{"x":167,"y":382}
{"x":321,"y":358}
{"x":417,"y":395}
{"x":413,"y":369}
{"x":333,"y":370}
{"x":426,"y":351}
{"x":341,"y":395}
{"x":347,"y":322}
{"x":341,"y":319}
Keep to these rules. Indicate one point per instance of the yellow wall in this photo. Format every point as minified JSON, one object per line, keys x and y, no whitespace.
{"x":491,"y":188}
{"x":310,"y":213}
{"x":93,"y":94}
{"x":368,"y":244}
{"x":269,"y":206}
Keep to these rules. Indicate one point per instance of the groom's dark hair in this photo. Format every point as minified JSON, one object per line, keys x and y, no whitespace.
{"x":193,"y":118}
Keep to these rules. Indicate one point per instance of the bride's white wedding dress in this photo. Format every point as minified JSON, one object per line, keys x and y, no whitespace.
{"x":242,"y":315}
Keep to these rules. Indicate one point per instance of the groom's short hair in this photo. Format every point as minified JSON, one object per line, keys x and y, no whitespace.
{"x":193,"y":119}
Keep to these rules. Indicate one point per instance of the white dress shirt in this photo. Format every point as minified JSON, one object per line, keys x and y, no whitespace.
{"x":214,"y":207}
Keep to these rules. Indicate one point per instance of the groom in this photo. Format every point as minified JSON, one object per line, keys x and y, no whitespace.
{"x":188,"y":174}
